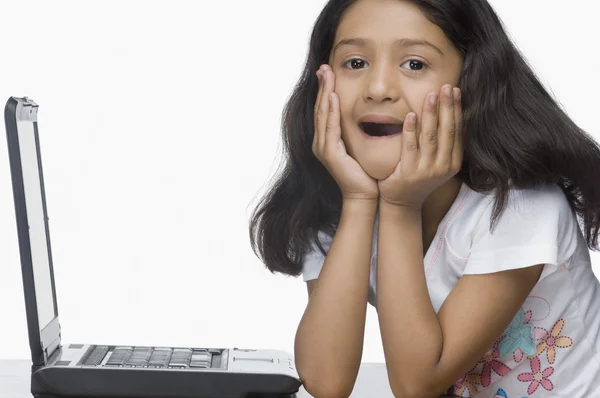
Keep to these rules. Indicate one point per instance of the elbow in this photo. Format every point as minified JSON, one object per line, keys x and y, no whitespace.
{"x":325,"y":377}
{"x":327,"y":388}
{"x":327,"y":384}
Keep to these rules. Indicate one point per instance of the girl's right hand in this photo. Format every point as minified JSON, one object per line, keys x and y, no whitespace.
{"x":329,"y":148}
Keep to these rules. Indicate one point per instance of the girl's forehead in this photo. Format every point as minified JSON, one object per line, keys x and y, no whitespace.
{"x":381,"y":21}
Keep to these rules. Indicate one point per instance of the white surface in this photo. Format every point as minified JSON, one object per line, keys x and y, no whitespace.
{"x":159,"y":125}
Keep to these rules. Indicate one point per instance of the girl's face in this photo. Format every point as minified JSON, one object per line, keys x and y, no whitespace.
{"x":381,"y":71}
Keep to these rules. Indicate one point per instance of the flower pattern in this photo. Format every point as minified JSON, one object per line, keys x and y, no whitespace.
{"x":538,"y":333}
{"x":490,"y":362}
{"x":552,"y":340}
{"x":523,"y":339}
{"x":466,"y":386}
{"x":518,"y":336}
{"x":502,"y":394}
{"x":537,"y":377}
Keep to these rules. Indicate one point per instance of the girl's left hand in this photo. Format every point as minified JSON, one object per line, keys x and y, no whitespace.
{"x":433,"y":158}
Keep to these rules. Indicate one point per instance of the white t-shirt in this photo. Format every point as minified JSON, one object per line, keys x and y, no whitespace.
{"x":551,"y":348}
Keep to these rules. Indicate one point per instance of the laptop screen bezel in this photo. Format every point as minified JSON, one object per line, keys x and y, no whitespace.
{"x":43,"y":339}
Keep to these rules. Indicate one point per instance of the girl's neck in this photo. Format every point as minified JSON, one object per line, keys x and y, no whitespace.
{"x":438,"y":203}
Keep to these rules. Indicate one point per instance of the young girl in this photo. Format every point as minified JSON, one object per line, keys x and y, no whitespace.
{"x":430,"y":174}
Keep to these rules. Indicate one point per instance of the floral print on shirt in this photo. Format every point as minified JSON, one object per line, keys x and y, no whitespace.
{"x":521,"y":339}
{"x":552,"y":340}
{"x":518,"y":335}
{"x":537,"y":377}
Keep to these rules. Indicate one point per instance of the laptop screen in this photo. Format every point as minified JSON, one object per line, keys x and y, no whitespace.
{"x":37,"y":227}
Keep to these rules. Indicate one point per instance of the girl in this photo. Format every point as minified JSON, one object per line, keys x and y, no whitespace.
{"x":430,"y":174}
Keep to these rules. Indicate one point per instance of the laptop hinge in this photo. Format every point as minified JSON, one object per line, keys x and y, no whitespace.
{"x":48,"y":351}
{"x":50,"y":338}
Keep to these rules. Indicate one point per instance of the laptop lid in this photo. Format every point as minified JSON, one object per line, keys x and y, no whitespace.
{"x":20,"y":116}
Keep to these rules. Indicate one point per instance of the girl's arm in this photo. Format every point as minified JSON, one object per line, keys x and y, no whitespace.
{"x":426,"y":353}
{"x":329,"y":340}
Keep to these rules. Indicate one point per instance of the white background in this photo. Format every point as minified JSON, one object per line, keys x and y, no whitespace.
{"x":159,"y":126}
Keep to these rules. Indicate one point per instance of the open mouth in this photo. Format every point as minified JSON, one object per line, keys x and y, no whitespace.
{"x":380,"y":129}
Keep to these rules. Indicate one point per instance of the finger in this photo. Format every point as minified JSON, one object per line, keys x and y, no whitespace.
{"x":447,"y":128}
{"x":428,"y":138}
{"x":317,"y":107}
{"x":410,"y":148}
{"x":323,"y":111}
{"x":457,"y":149}
{"x":333,"y":131}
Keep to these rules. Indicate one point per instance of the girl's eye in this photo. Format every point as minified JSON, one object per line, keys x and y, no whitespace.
{"x":354,"y":63}
{"x":357,"y":63}
{"x":415,"y":64}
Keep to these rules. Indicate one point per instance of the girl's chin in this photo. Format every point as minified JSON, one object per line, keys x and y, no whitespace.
{"x":379,"y":170}
{"x":378,"y":161}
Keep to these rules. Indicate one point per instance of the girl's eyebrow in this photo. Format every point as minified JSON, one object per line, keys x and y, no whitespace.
{"x":400,"y":43}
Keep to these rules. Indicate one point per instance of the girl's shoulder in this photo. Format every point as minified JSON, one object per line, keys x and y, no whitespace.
{"x":537,"y":226}
{"x":525,"y":207}
{"x":520,"y":200}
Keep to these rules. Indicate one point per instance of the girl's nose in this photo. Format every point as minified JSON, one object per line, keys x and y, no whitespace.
{"x":381,"y":86}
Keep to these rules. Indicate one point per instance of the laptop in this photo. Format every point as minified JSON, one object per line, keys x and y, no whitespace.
{"x":104,"y":370}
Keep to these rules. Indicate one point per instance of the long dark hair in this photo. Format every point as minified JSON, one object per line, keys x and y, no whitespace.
{"x":515,"y":132}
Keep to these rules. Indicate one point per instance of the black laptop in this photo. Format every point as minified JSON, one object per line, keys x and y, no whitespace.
{"x":101,"y":370}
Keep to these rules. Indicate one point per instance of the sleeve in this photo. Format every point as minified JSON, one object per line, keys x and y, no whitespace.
{"x":537,"y":227}
{"x":313,"y":259}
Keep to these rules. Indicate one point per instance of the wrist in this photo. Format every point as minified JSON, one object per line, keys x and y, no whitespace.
{"x":398,"y":211}
{"x":363,"y":207}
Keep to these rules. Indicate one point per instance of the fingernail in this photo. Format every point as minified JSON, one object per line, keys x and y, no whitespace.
{"x":433,"y":99}
{"x":456,"y":93}
{"x":447,"y":91}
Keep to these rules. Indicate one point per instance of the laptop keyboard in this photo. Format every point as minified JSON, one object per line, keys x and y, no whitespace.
{"x":153,"y":357}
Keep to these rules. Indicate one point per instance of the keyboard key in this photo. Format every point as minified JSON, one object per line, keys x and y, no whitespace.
{"x":96,"y":356}
{"x":160,"y":357}
{"x":119,"y":356}
{"x":181,"y":357}
{"x":139,"y":357}
{"x":201,"y":358}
